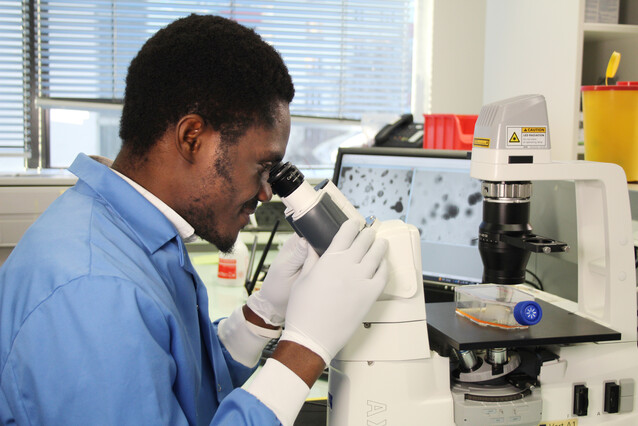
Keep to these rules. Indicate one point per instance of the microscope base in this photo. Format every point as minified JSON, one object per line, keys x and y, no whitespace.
{"x":363,"y":393}
{"x":503,"y":404}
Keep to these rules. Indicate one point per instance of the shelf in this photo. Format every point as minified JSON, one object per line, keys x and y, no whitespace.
{"x":604,"y":32}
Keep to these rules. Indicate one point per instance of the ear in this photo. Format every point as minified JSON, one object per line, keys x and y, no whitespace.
{"x":189,"y":133}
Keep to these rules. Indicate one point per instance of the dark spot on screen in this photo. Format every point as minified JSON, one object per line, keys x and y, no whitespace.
{"x":398,"y":206}
{"x":474,"y":198}
{"x":451,"y":211}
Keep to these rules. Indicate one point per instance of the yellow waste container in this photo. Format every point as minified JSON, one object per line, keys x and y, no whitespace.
{"x":610,"y":123}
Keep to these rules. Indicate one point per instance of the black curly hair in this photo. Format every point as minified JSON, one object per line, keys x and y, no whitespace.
{"x":202,"y":64}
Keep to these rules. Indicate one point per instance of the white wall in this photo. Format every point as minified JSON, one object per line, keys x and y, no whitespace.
{"x":448,"y":57}
{"x":535,"y":46}
{"x":458,"y":56}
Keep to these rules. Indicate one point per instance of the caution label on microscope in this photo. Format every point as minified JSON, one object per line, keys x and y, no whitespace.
{"x":526,"y":136}
{"x":482,"y":142}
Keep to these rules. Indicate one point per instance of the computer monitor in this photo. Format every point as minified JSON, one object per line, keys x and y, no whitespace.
{"x":431,"y":189}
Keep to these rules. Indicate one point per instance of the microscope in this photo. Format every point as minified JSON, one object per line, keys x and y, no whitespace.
{"x":578,"y":365}
{"x":386,"y":372}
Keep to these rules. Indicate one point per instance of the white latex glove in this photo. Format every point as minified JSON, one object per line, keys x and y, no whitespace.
{"x":271,"y":301}
{"x":332,"y":296}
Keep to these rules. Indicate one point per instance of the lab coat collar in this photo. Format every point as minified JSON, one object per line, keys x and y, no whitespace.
{"x":145,"y":220}
{"x":185,"y":230}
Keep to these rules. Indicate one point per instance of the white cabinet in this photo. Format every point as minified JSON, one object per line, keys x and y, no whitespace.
{"x":469,"y":53}
{"x":544,"y":46}
{"x":22,"y":199}
{"x":600,"y":40}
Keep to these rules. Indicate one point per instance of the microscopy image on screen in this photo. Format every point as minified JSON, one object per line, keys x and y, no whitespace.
{"x":446,"y":207}
{"x":379,"y":191}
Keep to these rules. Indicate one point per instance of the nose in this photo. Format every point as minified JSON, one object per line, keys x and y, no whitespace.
{"x":265,"y":191}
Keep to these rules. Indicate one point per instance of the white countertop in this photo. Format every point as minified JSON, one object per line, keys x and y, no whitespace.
{"x":45,"y":177}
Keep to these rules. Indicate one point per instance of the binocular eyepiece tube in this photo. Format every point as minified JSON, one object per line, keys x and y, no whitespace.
{"x":311,"y":212}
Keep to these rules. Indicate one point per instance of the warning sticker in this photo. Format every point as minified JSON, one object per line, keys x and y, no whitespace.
{"x":526,"y":136}
{"x":482,"y":142}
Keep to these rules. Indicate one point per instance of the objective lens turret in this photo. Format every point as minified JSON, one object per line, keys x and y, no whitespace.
{"x":505,"y":213}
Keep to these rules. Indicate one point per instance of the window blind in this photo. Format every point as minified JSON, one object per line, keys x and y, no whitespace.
{"x":14,"y":72}
{"x":346,"y":57}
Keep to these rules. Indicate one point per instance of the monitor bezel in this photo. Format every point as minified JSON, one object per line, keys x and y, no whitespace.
{"x":396,"y":152}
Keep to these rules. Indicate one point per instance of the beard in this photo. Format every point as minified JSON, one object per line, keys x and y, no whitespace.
{"x":205,"y":223}
{"x":203,"y":213}
{"x":204,"y":220}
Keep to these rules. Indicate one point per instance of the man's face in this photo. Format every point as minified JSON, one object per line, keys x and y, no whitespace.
{"x":225,"y":192}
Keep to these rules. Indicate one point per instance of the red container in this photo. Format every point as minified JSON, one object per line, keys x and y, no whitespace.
{"x":448,"y":131}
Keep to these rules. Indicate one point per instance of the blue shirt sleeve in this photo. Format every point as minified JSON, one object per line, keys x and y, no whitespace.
{"x":102,"y":352}
{"x":242,"y":408}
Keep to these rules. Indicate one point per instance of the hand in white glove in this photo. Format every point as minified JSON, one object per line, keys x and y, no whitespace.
{"x":271,"y":301}
{"x":331,"y":297}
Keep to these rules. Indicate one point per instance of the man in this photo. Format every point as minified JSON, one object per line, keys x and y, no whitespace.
{"x":103,"y":319}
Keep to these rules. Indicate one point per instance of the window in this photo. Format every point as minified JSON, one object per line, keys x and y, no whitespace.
{"x":14,"y":101}
{"x":348,"y":58}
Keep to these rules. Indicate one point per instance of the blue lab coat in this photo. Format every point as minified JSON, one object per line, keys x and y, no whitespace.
{"x":104,"y":321}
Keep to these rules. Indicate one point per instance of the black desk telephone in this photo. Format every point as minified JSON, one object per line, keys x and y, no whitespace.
{"x":402,"y":133}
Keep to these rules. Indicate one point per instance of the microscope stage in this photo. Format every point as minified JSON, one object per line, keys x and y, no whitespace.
{"x":558,"y":326}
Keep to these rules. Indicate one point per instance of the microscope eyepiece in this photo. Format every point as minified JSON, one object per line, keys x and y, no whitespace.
{"x":311,"y":212}
{"x":285,"y":178}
